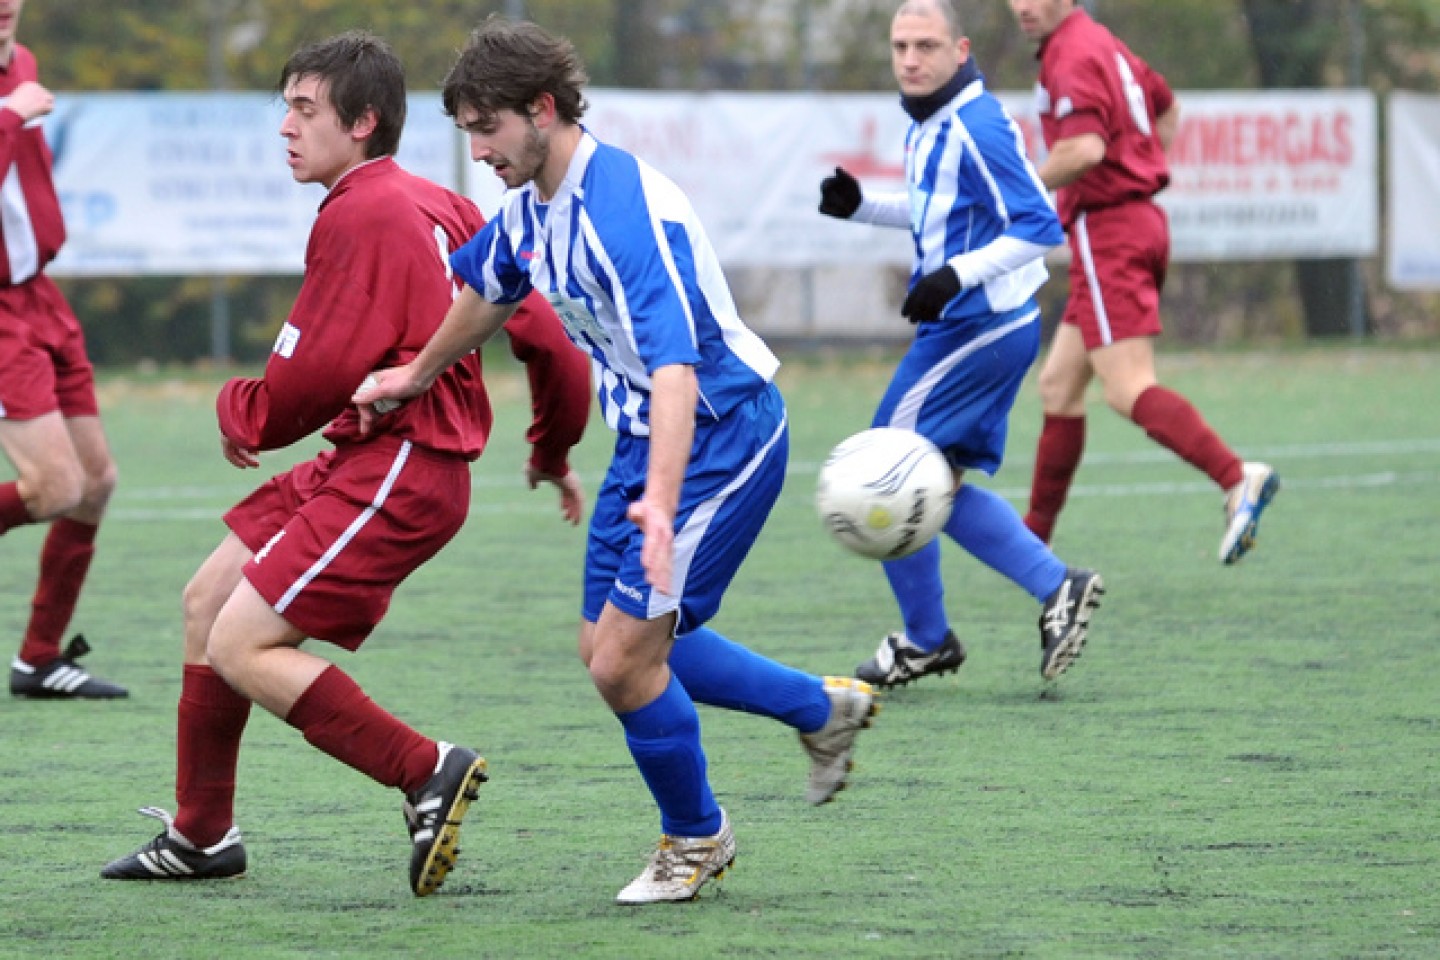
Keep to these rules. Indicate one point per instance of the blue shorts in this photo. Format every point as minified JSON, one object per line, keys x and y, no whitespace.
{"x":737,"y":467}
{"x":957,"y":383}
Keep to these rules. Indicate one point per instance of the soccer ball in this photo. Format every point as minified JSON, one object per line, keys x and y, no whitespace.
{"x":885,"y":493}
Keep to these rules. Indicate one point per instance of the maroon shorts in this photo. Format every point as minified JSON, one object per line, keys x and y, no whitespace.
{"x":1119,"y":256}
{"x":334,"y":536}
{"x":43,"y":366}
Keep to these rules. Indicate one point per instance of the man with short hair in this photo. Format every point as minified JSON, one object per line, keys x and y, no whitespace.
{"x":702,"y":433}
{"x":1107,"y":118}
{"x":50,"y":425}
{"x":317,"y":551}
{"x":981,"y":224}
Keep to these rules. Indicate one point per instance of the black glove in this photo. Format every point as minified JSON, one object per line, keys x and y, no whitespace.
{"x":840,"y":195}
{"x":929,"y":296}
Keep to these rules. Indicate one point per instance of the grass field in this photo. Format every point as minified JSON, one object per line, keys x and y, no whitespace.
{"x":1246,"y":762}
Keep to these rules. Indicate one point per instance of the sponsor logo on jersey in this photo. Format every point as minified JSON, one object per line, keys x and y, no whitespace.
{"x":286,"y":341}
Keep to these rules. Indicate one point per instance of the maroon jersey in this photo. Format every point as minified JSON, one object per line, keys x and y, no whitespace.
{"x":30,"y":223}
{"x":1090,"y":82}
{"x":377,"y":284}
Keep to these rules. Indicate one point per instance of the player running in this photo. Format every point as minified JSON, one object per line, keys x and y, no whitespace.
{"x":981,"y":223}
{"x":702,"y":433}
{"x":1107,"y":118}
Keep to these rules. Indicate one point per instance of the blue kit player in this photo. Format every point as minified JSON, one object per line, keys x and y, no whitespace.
{"x":982,"y":223}
{"x":702,"y":437}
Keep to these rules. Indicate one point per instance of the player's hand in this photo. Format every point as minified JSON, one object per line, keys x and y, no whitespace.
{"x":840,"y":195}
{"x":930,"y":294}
{"x":237,"y":455}
{"x":381,"y":392}
{"x":657,"y":555}
{"x":30,"y":100}
{"x":572,"y":492}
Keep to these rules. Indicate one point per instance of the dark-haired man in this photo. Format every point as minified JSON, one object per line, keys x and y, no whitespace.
{"x":702,"y":433}
{"x":317,"y":551}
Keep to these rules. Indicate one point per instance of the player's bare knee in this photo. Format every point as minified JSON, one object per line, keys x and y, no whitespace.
{"x":53,"y":492}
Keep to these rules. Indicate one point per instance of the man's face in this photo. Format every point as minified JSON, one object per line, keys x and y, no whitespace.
{"x":923,"y":53}
{"x":1039,"y":18}
{"x":508,"y":141}
{"x":320,"y":149}
{"x":9,"y":19}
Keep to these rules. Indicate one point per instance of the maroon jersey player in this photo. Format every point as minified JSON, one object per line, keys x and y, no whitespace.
{"x":49,"y":419}
{"x":1107,"y":118}
{"x":318,"y":550}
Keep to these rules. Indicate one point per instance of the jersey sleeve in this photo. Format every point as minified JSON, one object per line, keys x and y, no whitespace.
{"x":1081,"y":97}
{"x":332,"y":339}
{"x":490,"y":266}
{"x":559,"y":376}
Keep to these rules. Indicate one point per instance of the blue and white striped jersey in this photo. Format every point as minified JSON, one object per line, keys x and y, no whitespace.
{"x":621,"y":256}
{"x":974,"y":200}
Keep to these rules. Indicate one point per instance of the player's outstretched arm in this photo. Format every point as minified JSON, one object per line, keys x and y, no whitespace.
{"x":470,"y":321}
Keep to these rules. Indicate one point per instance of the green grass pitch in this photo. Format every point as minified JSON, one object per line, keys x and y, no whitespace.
{"x":1245,"y":763}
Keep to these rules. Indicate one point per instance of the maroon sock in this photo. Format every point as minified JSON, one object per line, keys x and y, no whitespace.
{"x":212,"y":719}
{"x":13,"y":512}
{"x":1174,"y":423}
{"x":1057,"y":457}
{"x":64,"y":561}
{"x":336,"y":716}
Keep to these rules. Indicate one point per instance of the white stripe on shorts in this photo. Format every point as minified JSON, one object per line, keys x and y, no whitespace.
{"x":690,"y":535}
{"x":355,"y":527}
{"x":907,"y":412}
{"x":1097,"y":298}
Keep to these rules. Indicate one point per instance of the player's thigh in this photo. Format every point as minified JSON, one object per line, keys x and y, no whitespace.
{"x":1126,"y":369}
{"x":44,"y":456}
{"x":1065,"y":375}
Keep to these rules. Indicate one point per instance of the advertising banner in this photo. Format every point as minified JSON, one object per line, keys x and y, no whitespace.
{"x":1413,"y":175}
{"x":175,"y":183}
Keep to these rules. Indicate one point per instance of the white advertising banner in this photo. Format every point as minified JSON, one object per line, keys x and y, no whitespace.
{"x":1274,"y":174}
{"x":175,"y":183}
{"x":1413,"y":175}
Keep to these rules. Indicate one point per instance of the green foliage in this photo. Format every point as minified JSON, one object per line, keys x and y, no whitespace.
{"x":1243,"y":763}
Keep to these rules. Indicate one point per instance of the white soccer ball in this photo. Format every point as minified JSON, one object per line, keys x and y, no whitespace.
{"x":885,"y":493}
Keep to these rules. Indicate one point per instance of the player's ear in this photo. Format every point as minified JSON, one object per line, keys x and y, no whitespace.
{"x":364,"y":127}
{"x":542,"y":110}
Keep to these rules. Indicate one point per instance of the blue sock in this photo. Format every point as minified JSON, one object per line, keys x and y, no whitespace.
{"x":915,"y":581}
{"x":664,"y":739}
{"x":721,"y":673}
{"x":987,"y":526}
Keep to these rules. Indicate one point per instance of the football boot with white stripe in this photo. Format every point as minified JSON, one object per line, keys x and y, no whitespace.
{"x":1065,"y":620}
{"x":898,"y":661}
{"x":680,"y":866}
{"x":62,"y":678}
{"x":433,"y":814}
{"x":171,"y":857}
{"x":852,"y":708}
